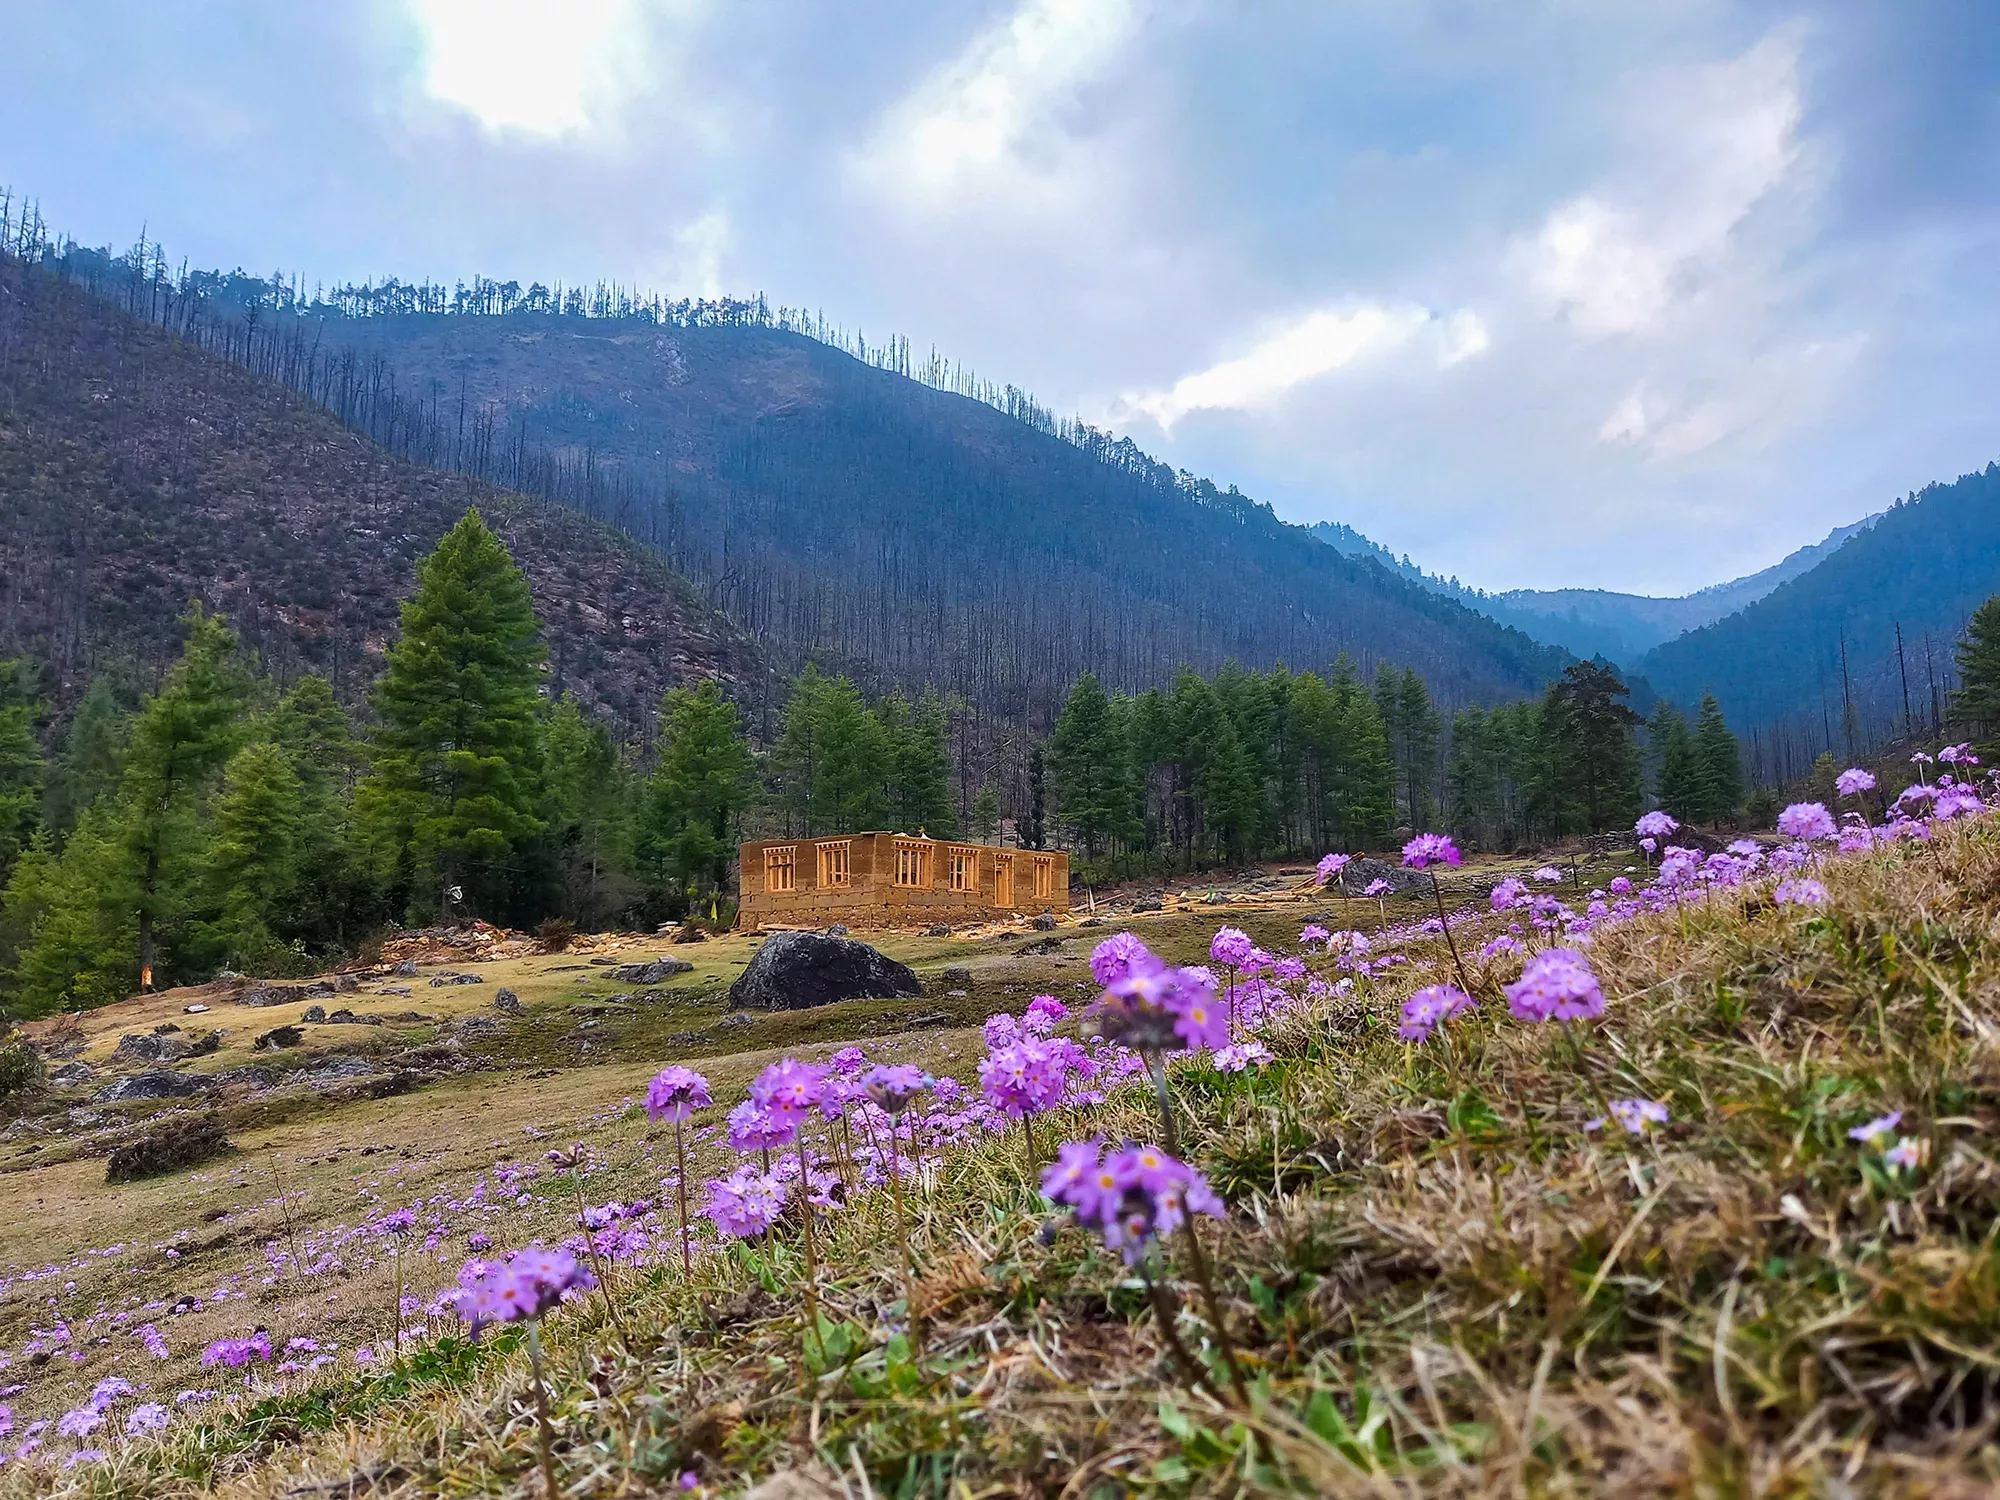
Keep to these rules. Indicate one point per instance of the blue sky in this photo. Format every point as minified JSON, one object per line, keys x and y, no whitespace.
{"x":1542,"y":292}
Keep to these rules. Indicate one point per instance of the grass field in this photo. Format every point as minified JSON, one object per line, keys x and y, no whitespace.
{"x":1439,"y":1280}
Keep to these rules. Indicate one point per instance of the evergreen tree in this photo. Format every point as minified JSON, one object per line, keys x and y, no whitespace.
{"x":330,"y":895}
{"x":1085,"y":766}
{"x":181,"y":738}
{"x":20,"y":763}
{"x":920,"y":791}
{"x":834,"y":757}
{"x":1363,"y":791}
{"x":585,"y":802}
{"x":1976,"y":703}
{"x":694,"y":798}
{"x":1034,"y":827}
{"x":984,"y":820}
{"x":1677,"y":769}
{"x":1720,"y":761}
{"x":450,"y":801}
{"x":253,"y":858}
{"x":92,"y":759}
{"x":69,"y":920}
{"x":1588,"y":731}
{"x":1418,"y":724}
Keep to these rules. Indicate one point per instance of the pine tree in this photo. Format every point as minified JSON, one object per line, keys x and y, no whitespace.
{"x":1419,"y":725}
{"x":331,"y":894}
{"x":693,"y":800}
{"x":1976,"y":703}
{"x":69,"y":920}
{"x":1682,"y":788}
{"x":834,"y":757}
{"x":1084,"y":770}
{"x":922,"y":769}
{"x":984,"y":820}
{"x":20,"y":763}
{"x":1720,"y":760}
{"x":585,"y":802}
{"x":450,"y":802}
{"x":1034,"y":827}
{"x":253,"y":857}
{"x":181,"y":738}
{"x":92,"y":759}
{"x":1588,"y":731}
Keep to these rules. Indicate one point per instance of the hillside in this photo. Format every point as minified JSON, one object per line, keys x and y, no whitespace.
{"x":839,"y":509}
{"x":1602,"y":622}
{"x":1925,"y":564}
{"x":137,"y":472}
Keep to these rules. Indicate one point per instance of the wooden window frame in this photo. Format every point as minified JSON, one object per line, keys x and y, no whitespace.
{"x":781,"y":869}
{"x":836,"y":865}
{"x":1003,"y":880}
{"x":914,"y":860}
{"x":961,"y":870}
{"x":1045,"y":877}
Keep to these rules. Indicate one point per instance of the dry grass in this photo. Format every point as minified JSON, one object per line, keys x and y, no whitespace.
{"x":1443,"y":1285}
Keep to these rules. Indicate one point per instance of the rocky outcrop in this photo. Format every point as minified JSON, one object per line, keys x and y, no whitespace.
{"x":796,"y":970}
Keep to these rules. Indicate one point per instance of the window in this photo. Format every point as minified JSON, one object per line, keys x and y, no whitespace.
{"x":961,"y":869}
{"x":1045,"y":877}
{"x":781,"y":869}
{"x":833,"y":864}
{"x":913,"y":866}
{"x":1003,"y":880}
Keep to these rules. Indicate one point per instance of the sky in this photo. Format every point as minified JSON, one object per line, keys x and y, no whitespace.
{"x":1541,"y":293}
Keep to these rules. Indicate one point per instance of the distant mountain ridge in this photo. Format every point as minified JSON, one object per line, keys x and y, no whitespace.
{"x":1601,"y":622}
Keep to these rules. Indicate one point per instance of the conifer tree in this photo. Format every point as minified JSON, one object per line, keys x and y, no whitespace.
{"x":1588,"y":731}
{"x":451,"y":799}
{"x":1682,"y":788}
{"x":92,"y":758}
{"x":694,"y":799}
{"x":1720,"y":761}
{"x":330,"y":893}
{"x":921,"y":768}
{"x":69,"y":920}
{"x":252,"y":860}
{"x":20,"y":763}
{"x":1084,"y":766}
{"x":984,"y":819}
{"x":834,"y":757}
{"x":1976,"y":703}
{"x":181,"y":738}
{"x":585,"y":802}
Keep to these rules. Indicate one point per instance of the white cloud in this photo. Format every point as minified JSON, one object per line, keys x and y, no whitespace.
{"x":1318,"y":344}
{"x":998,"y":107}
{"x":700,"y":248}
{"x":542,"y":67}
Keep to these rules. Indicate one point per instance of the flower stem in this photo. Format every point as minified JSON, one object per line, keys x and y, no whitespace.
{"x":1028,"y":1145}
{"x":681,"y":1196}
{"x":903,"y":1235}
{"x":598,"y":1266}
{"x":541,"y":1408}
{"x":812,"y":1253}
{"x":1163,"y":1314}
{"x":1206,"y":1282}
{"x":1169,"y":1131}
{"x":1449,"y":941}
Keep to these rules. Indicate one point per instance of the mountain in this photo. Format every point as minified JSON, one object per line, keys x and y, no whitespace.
{"x":138,"y":471}
{"x":835,"y":508}
{"x":1821,"y":648}
{"x":1600,"y":622}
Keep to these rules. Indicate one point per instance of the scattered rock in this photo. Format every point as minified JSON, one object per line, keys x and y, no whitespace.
{"x":407,"y":969}
{"x":475,"y":1024}
{"x":279,"y":1036}
{"x":155,"y":1083}
{"x":956,"y":975}
{"x":349,"y":1018}
{"x":141,"y":1047}
{"x":938,"y":931}
{"x":690,"y":934}
{"x":736,"y":1021}
{"x":1040,"y":948}
{"x":71,"y":1074}
{"x":930,"y":1018}
{"x":340,"y":1065}
{"x":1045,"y":922}
{"x":651,"y":973}
{"x":794,"y":970}
{"x":605,"y":962}
{"x":253,"y":1076}
{"x":342,"y":983}
{"x":194,"y":1010}
{"x":261,"y":996}
{"x":401,"y":991}
{"x":315,"y":1015}
{"x":179,"y":1143}
{"x":1091,"y":922}
{"x":1364,"y":872}
{"x":166,"y":1028}
{"x":507,"y":1001}
{"x":449,"y":979}
{"x":838,"y":929}
{"x":208,"y":1043}
{"x":1149,"y":903}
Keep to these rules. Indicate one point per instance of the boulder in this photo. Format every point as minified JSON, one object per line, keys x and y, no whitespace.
{"x":279,"y":1036}
{"x":154,"y":1083}
{"x":653,"y":973}
{"x":795,"y":970}
{"x":939,"y":931}
{"x":170,"y":1147}
{"x":260,"y":996}
{"x":340,"y":1065}
{"x":205,"y":1044}
{"x":838,"y":929}
{"x":689,"y":934}
{"x":253,"y":1076}
{"x":71,"y":1074}
{"x":315,"y":1015}
{"x":507,"y":1001}
{"x":407,"y":969}
{"x":345,"y":1017}
{"x":1046,"y":922}
{"x":140,"y":1047}
{"x":1364,"y":872}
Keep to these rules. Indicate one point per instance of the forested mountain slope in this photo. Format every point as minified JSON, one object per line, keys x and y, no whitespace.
{"x":843,"y":510}
{"x":1924,"y":565}
{"x":138,"y":472}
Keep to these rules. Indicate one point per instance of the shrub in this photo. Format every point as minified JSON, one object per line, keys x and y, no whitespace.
{"x":185,"y":1142}
{"x":20,"y":1065}
{"x":554,"y":935}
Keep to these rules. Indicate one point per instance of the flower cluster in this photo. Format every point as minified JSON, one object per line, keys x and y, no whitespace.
{"x":527,"y":1285}
{"x":1429,"y":1009}
{"x":1130,"y":1196}
{"x":1154,"y":1007}
{"x":1556,"y":985}
{"x":676,"y":1093}
{"x":1428,"y":849}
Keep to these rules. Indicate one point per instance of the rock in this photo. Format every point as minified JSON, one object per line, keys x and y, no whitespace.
{"x":956,"y":975}
{"x":689,"y":935}
{"x":930,"y":1018}
{"x":279,"y":1036}
{"x":1091,"y":922}
{"x":838,"y":929}
{"x":342,"y":983}
{"x":208,"y":1043}
{"x":1046,"y":922}
{"x":450,"y":979}
{"x":139,"y":1047}
{"x":176,"y":1144}
{"x":938,"y":931}
{"x":407,"y":969}
{"x":1149,"y":903}
{"x":71,"y":1074}
{"x":401,"y":990}
{"x":474,"y":1025}
{"x":349,"y":1018}
{"x":1361,"y":873}
{"x":736,"y":1022}
{"x":155,"y":1083}
{"x":165,"y":1028}
{"x":508,"y":1001}
{"x":794,"y":970}
{"x":260,"y":996}
{"x":253,"y":1076}
{"x":315,"y":1015}
{"x":651,"y":973}
{"x":340,"y":1065}
{"x":194,"y":1010}
{"x":605,"y":962}
{"x":654,"y":997}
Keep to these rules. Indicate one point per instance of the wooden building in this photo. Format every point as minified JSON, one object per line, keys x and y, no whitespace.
{"x":895,"y":880}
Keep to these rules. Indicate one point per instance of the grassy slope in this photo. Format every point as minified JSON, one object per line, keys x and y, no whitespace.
{"x":1444,"y":1284}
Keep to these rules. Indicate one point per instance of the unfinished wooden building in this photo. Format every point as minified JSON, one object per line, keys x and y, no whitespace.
{"x":894,"y":880}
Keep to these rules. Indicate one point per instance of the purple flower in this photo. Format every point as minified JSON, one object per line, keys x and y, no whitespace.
{"x":1548,"y":874}
{"x":1429,"y":1008}
{"x":1154,"y":1008}
{"x":80,"y":1422}
{"x":893,"y":1087}
{"x":745,"y":1203}
{"x":1799,"y":892}
{"x":1231,"y":946}
{"x":1241,"y":1055}
{"x":1508,"y":893}
{"x":1330,"y":866}
{"x":1428,"y":849}
{"x":1638,"y":1116}
{"x":1903,"y":1154}
{"x":236,"y":1353}
{"x":1024,"y":1078}
{"x":1312,"y":933}
{"x":1807,"y":820}
{"x":1655,"y":825}
{"x":401,"y":1222}
{"x":110,"y":1389}
{"x":1376,"y":888}
{"x":1853,"y":782}
{"x":528,"y":1286}
{"x":1114,"y":958}
{"x":1952,"y":802}
{"x":675,"y":1093}
{"x":1958,"y":755}
{"x":1875,"y":1129}
{"x":1132,"y":1196}
{"x":150,"y":1417}
{"x":1044,"y":1014}
{"x":1557,"y":984}
{"x":1620,"y":886}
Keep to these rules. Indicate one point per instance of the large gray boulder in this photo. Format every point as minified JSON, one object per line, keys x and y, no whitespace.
{"x":651,"y":973}
{"x":795,"y":970}
{"x":159,"y":1083}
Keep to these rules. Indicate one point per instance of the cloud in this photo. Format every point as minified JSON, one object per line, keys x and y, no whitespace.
{"x":541,"y":67}
{"x":998,"y":109}
{"x":1318,"y":344}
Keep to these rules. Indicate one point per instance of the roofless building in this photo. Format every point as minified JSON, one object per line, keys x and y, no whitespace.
{"x":895,"y":880}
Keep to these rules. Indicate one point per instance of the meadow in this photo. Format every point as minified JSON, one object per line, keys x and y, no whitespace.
{"x":1670,"y":1174}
